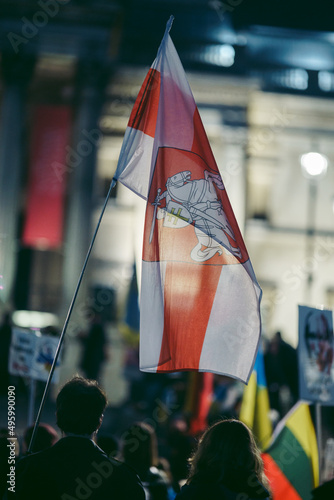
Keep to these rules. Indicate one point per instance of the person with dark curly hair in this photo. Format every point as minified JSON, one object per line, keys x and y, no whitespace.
{"x":226,"y":465}
{"x":75,"y":467}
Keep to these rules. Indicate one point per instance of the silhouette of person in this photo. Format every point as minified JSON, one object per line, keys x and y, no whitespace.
{"x":226,"y":464}
{"x":140,"y":451}
{"x":281,"y":367}
{"x":324,"y":492}
{"x":75,"y":467}
{"x":94,"y":349}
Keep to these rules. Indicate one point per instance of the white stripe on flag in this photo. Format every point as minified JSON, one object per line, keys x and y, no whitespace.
{"x":151,"y":314}
{"x":232,"y":325}
{"x":176,"y":105}
{"x":136,"y":173}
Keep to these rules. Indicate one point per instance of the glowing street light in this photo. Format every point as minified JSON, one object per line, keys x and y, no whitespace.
{"x":314,"y":165}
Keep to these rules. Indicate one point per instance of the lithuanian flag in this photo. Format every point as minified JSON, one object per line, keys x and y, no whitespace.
{"x":291,"y":462}
{"x":255,"y":405}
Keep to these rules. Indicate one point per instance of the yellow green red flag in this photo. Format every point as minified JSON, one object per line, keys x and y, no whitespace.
{"x":291,"y":462}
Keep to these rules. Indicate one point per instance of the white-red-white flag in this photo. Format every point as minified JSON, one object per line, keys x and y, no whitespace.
{"x":199,"y":307}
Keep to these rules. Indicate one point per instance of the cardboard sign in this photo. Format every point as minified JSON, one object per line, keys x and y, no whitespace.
{"x":31,"y":355}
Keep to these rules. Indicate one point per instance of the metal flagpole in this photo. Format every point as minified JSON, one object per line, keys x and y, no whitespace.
{"x":47,"y":386}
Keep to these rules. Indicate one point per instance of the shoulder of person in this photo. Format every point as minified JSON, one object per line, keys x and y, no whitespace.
{"x":257,"y":492}
{"x":195,"y":491}
{"x":31,"y":459}
{"x":199,"y":490}
{"x":324,"y":491}
{"x":129,"y":478}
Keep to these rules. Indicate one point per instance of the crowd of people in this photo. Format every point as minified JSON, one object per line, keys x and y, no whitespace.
{"x":79,"y":464}
{"x":148,"y":452}
{"x":224,"y":463}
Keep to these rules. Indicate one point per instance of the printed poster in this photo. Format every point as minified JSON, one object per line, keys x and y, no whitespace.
{"x":31,"y":355}
{"x":315,"y":355}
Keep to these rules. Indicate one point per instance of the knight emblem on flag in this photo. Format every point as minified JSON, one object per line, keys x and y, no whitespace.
{"x":189,"y":201}
{"x":195,"y":201}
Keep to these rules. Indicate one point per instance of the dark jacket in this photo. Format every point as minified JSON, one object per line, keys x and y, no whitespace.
{"x":198,"y":490}
{"x":75,"y":467}
{"x":325,"y":491}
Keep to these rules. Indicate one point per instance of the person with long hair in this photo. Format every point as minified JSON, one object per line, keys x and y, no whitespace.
{"x":226,"y":465}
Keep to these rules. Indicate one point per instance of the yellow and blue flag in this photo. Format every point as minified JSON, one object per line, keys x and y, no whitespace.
{"x":255,"y":407}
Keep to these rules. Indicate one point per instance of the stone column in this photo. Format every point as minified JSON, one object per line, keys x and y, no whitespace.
{"x":81,"y":166}
{"x":16,"y":71}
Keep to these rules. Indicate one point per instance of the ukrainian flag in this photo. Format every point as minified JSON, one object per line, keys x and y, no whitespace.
{"x":255,"y":405}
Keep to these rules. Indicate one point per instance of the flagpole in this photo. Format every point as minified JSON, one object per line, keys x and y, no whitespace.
{"x":169,"y":25}
{"x":47,"y":386}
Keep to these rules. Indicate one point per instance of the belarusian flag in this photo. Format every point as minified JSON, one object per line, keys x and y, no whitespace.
{"x":200,"y":299}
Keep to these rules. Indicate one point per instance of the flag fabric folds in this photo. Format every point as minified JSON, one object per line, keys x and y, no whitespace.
{"x":255,"y":406}
{"x":291,"y":462}
{"x":199,"y":301}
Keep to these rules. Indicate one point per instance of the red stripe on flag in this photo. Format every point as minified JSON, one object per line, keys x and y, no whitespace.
{"x":46,"y":187}
{"x":202,"y":147}
{"x":145,"y":110}
{"x":280,"y":486}
{"x":189,"y":293}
